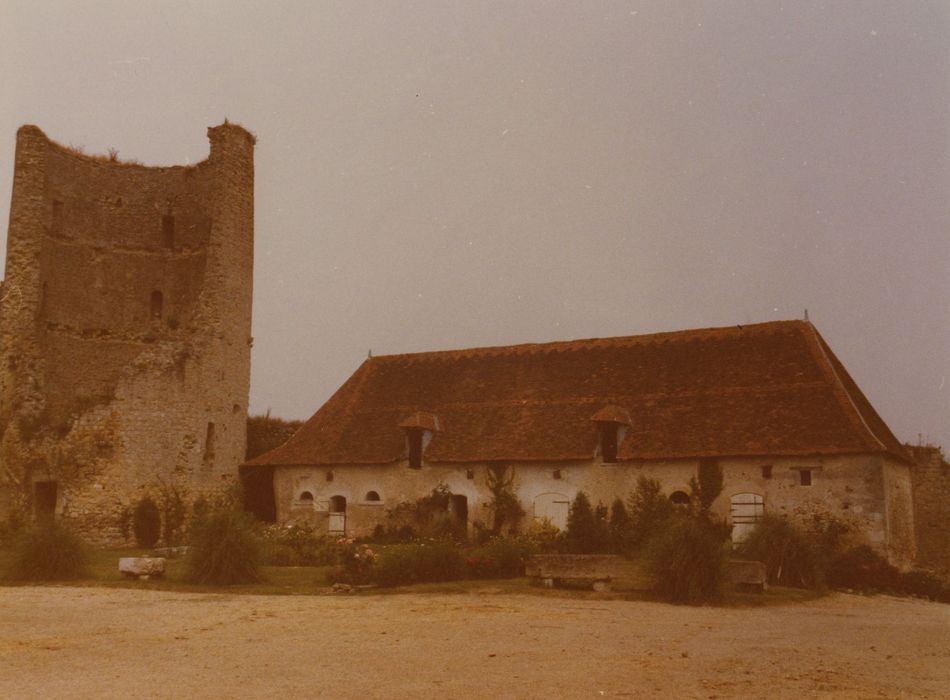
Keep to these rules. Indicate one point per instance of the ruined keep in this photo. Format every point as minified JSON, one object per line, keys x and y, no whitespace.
{"x":125,"y":330}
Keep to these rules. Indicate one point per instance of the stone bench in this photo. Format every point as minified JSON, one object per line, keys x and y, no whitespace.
{"x":596,"y":569}
{"x":142,"y":568}
{"x":750,"y":576}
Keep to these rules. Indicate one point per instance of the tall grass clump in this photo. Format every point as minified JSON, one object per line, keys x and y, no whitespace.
{"x":224,"y":549}
{"x":48,"y":551}
{"x":789,"y":555}
{"x":687,"y":560}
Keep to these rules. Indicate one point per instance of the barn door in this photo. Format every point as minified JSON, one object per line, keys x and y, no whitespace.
{"x":747,"y":510}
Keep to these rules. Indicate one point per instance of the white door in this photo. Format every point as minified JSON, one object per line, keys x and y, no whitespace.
{"x":554,"y":507}
{"x":747,"y":510}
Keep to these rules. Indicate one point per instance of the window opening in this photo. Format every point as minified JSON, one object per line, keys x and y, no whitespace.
{"x":804,"y":477}
{"x":679,"y":498}
{"x":371,"y":496}
{"x":608,"y":442}
{"x":766,"y":471}
{"x":209,"y":445}
{"x":168,"y":231}
{"x":157,"y":303}
{"x":336,"y":521}
{"x":44,"y":499}
{"x":306,"y":496}
{"x":414,"y":436}
{"x":57,"y":223}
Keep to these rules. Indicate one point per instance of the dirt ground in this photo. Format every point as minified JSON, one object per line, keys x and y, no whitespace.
{"x":97,"y":643}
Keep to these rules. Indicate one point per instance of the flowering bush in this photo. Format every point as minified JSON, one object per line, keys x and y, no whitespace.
{"x":296,"y":545}
{"x":356,"y":562}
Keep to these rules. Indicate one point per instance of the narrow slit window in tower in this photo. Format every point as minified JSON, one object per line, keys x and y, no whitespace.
{"x":168,"y":231}
{"x":157,"y":303}
{"x":209,"y":445}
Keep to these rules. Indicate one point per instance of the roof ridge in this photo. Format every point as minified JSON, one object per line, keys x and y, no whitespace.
{"x":579,"y":343}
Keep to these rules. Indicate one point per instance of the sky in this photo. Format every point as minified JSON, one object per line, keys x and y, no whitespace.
{"x":437,"y":175}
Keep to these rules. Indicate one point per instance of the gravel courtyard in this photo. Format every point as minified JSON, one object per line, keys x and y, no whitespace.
{"x":94,"y":643}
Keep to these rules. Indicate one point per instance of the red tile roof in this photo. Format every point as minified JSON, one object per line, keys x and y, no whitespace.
{"x":759,"y":390}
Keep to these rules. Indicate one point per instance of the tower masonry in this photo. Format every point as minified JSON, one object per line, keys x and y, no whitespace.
{"x":125,"y":330}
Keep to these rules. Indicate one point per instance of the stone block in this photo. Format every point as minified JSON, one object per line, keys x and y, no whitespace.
{"x":142,"y":567}
{"x":747,"y":575}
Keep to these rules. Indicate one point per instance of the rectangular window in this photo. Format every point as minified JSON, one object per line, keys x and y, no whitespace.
{"x":168,"y":231}
{"x":608,"y":442}
{"x":766,"y":471}
{"x":804,"y":477}
{"x":414,"y":436}
{"x":57,"y":224}
{"x":209,"y":445}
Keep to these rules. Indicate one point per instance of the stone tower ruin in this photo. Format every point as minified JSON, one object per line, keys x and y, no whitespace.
{"x":125,"y":330}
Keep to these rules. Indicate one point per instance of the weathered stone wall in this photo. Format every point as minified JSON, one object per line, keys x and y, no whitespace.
{"x":849,"y":488}
{"x":931,"y":487}
{"x":125,"y":327}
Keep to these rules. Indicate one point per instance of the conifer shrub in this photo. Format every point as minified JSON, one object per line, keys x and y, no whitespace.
{"x":687,"y":560}
{"x":649,"y":510}
{"x":586,"y":526}
{"x":224,"y":549}
{"x":789,"y":555}
{"x":48,"y":551}
{"x":146,"y":522}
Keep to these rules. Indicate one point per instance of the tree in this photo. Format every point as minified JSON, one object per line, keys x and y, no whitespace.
{"x":649,"y":510}
{"x":505,"y":507}
{"x":706,"y":488}
{"x":584,"y":533}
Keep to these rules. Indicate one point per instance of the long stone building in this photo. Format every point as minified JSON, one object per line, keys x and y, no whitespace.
{"x":771,"y":403}
{"x":125,"y":322}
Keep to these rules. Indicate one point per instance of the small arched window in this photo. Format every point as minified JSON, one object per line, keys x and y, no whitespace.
{"x":371,"y":496}
{"x":306,"y":496}
{"x":679,"y":498}
{"x":158,"y":302}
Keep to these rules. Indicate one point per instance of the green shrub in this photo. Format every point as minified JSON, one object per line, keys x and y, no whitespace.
{"x":146,"y":522}
{"x":404,"y":564}
{"x":506,"y":510}
{"x":502,"y":557}
{"x":11,"y":527}
{"x":863,"y":569}
{"x":543,"y":536}
{"x":649,"y":510}
{"x":224,"y":549}
{"x":174,"y":510}
{"x":687,"y":560}
{"x":789,"y":555}
{"x":706,"y":486}
{"x":48,"y":552}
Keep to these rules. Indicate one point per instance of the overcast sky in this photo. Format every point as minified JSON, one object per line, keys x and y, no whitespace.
{"x":434,"y":175}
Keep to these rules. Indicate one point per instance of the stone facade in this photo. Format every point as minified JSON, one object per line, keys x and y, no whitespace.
{"x":125,"y":323}
{"x":868,"y":493}
{"x":931,"y":481}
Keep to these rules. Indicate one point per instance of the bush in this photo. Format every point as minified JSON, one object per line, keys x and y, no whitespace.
{"x":356,"y":562}
{"x":543,"y":536}
{"x":649,"y":510}
{"x":501,"y":558}
{"x":586,"y":528}
{"x":790,"y":557}
{"x":296,"y":545}
{"x":706,"y":486}
{"x":404,"y":564}
{"x":11,"y":527}
{"x":687,"y":560}
{"x":48,"y":552}
{"x":224,"y":549}
{"x":924,"y":584}
{"x":146,"y":522}
{"x":863,"y":569}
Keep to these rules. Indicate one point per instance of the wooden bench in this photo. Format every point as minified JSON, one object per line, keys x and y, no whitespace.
{"x":598,"y":570}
